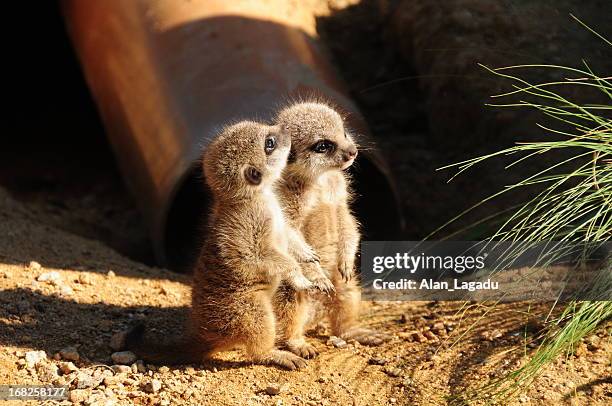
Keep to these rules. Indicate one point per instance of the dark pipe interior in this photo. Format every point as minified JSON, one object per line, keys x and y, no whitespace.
{"x":374,"y":205}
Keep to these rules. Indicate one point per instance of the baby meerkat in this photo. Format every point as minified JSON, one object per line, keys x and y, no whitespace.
{"x":315,"y":194}
{"x":248,"y":250}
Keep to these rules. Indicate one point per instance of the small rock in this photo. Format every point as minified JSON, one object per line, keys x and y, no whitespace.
{"x":439,"y":326}
{"x":430,"y":335}
{"x":66,"y":291}
{"x":34,"y":357}
{"x":153,"y":386}
{"x":164,"y":369}
{"x":84,"y":381}
{"x":67,"y":367}
{"x":117,"y":341}
{"x":402,"y":319}
{"x":491,"y":335}
{"x":378,"y":361}
{"x":392,"y":371}
{"x":274,"y":389}
{"x":34,"y":266}
{"x":85,"y":279}
{"x":336,"y":342}
{"x":70,"y":354}
{"x":123,"y":357}
{"x":52,"y":277}
{"x":392,"y":400}
{"x":77,"y":396}
{"x":47,"y":372}
{"x":110,"y":274}
{"x":121,"y":369}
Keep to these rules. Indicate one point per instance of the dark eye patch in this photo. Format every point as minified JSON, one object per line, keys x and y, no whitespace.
{"x":324,"y":146}
{"x":270,"y":144}
{"x":252,"y":175}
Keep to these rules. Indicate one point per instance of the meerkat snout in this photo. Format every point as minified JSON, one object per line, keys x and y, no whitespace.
{"x":348,"y":155}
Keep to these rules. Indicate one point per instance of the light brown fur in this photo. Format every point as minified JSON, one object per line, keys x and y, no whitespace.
{"x":316,"y":195}
{"x":249,"y":249}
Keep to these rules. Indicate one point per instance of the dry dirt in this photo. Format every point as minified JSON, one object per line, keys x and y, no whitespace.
{"x":436,"y":351}
{"x":97,"y":293}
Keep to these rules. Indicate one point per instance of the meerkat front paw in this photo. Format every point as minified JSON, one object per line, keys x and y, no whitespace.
{"x":307,"y":255}
{"x":299,"y":282}
{"x":317,"y":276}
{"x":346,"y":269}
{"x":324,"y":284}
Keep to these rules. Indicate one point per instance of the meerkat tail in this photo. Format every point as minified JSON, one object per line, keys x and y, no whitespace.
{"x":174,"y":351}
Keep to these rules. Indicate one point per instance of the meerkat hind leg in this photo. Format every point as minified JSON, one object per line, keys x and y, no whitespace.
{"x":292,"y":309}
{"x":344,"y":314}
{"x":260,"y":340}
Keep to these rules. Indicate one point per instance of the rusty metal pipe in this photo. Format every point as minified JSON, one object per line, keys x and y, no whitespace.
{"x":166,"y":74}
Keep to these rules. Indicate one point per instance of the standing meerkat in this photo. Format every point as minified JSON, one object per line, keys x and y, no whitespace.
{"x":315,"y":194}
{"x":248,"y":250}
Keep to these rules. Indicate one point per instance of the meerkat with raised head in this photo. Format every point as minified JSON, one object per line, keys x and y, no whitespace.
{"x":315,"y":194}
{"x":249,"y":248}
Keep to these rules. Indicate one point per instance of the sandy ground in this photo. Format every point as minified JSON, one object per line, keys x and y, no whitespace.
{"x":97,"y":292}
{"x":63,"y":291}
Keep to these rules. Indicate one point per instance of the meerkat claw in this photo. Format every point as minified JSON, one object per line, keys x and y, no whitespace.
{"x":324,"y":285}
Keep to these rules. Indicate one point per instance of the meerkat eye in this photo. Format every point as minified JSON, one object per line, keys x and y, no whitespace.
{"x":270,"y":145}
{"x":252,"y":175}
{"x":323,"y":146}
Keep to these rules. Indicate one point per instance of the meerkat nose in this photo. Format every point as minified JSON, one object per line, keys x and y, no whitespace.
{"x":350,"y":153}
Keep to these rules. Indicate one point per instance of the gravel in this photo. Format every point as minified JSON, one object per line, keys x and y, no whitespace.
{"x":124,"y":357}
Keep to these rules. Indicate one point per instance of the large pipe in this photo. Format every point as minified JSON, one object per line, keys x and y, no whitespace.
{"x":166,"y":74}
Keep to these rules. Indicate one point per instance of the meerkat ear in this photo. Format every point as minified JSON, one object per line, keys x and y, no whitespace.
{"x":252,"y":175}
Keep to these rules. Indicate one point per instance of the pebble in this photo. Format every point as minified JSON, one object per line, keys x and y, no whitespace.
{"x":34,"y":357}
{"x":392,"y":371}
{"x":70,"y":354}
{"x":47,"y":372}
{"x":84,"y":381}
{"x":378,"y":361}
{"x":274,"y":389}
{"x":491,"y":335}
{"x":123,"y":357}
{"x":77,"y":396}
{"x":121,"y":369}
{"x":117,"y":341}
{"x":336,"y":342}
{"x":34,"y":266}
{"x":110,"y":274}
{"x":85,"y":279}
{"x":153,"y":386}
{"x":67,"y":367}
{"x":52,"y":277}
{"x":66,"y":291}
{"x":164,"y":369}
